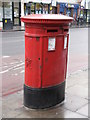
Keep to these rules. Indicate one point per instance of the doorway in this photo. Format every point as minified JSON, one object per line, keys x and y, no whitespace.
{"x":16,"y":7}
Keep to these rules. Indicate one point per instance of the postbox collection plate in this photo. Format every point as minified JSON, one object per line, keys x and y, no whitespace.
{"x":65,"y":42}
{"x":51,"y":43}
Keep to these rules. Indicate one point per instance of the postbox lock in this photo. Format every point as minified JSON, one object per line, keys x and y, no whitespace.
{"x":38,"y":58}
{"x":37,"y":38}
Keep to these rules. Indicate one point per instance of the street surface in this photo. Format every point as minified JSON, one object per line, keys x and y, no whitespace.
{"x":13,"y":57}
{"x":74,"y":106}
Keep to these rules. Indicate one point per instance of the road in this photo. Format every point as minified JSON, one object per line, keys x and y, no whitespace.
{"x":13,"y":57}
{"x":12,"y":43}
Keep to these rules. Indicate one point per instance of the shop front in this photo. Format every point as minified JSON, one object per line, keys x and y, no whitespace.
{"x":1,"y":15}
{"x":11,"y":12}
{"x":36,"y":8}
{"x":16,"y":13}
{"x":69,"y":9}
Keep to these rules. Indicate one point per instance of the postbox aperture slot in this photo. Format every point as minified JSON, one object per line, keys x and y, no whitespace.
{"x":65,"y":30}
{"x":50,"y":30}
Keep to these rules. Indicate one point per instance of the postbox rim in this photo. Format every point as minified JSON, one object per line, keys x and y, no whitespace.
{"x":45,"y":18}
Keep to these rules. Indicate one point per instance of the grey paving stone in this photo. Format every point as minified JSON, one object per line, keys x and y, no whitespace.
{"x":11,"y":97}
{"x":13,"y":102}
{"x":69,"y":114}
{"x":8,"y":113}
{"x":78,"y":78}
{"x":0,"y":109}
{"x":84,"y":111}
{"x":70,"y":82}
{"x":78,"y":90}
{"x":47,"y":113}
{"x":73,"y":103}
{"x":58,"y":113}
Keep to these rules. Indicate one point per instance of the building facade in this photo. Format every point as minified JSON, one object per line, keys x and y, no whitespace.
{"x":85,"y":11}
{"x":68,"y":9}
{"x":10,"y":12}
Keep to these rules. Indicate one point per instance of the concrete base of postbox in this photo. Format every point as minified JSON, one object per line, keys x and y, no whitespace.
{"x":45,"y":97}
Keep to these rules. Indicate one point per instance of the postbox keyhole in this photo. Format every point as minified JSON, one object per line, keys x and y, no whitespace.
{"x":37,"y":38}
{"x":38,"y":58}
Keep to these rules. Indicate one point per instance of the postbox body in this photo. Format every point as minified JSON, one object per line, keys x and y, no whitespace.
{"x":46,"y":50}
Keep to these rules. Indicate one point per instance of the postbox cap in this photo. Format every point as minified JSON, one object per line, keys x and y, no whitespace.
{"x":47,"y":19}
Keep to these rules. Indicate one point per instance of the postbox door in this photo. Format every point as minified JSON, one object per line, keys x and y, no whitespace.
{"x":32,"y":62}
{"x":54,"y":60}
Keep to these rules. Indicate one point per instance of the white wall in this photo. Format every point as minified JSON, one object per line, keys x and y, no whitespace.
{"x":1,"y":24}
{"x":67,"y":1}
{"x":87,"y":5}
{"x":49,"y":1}
{"x":22,"y":11}
{"x":37,"y":1}
{"x":1,"y":14}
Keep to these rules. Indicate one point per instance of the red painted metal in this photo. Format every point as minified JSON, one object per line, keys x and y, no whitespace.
{"x":44,"y":68}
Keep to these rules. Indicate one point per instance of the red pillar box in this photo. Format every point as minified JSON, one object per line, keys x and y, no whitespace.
{"x":46,"y":48}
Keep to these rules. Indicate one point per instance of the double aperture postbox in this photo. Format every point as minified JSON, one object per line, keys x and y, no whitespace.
{"x":46,"y":49}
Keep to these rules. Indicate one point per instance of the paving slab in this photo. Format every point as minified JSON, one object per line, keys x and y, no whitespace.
{"x":9,"y":113}
{"x":78,"y":90}
{"x":84,"y":110}
{"x":73,"y":103}
{"x":47,"y":113}
{"x":51,"y":113}
{"x":69,"y":114}
{"x":79,"y":77}
{"x":0,"y":109}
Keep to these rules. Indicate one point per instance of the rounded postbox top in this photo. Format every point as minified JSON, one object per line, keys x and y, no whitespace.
{"x":47,"y":19}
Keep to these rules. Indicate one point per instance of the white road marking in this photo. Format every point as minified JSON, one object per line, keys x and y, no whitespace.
{"x":18,"y":65}
{"x":12,"y":68}
{"x":14,"y":63}
{"x":4,"y":71}
{"x":16,"y":74}
{"x":5,"y":56}
{"x":22,"y":71}
{"x":19,"y":68}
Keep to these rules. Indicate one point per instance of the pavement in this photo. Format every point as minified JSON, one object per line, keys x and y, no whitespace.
{"x":74,"y":106}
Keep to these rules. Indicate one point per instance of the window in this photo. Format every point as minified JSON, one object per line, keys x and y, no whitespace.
{"x":1,"y":11}
{"x":8,"y":10}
